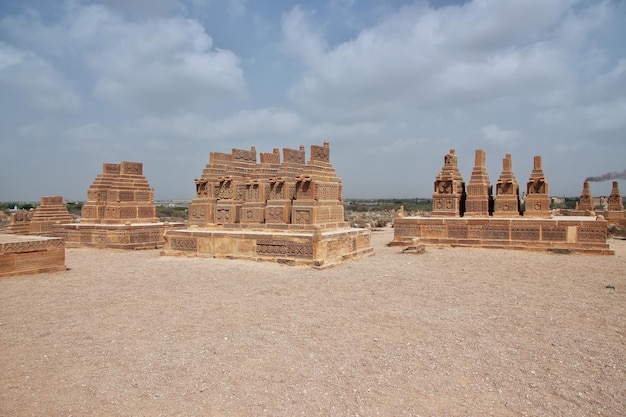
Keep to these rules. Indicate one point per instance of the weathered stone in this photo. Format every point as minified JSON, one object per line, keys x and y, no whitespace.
{"x":615,"y":205}
{"x":536,"y":231}
{"x":479,"y":200}
{"x":507,"y":191}
{"x":586,"y":200}
{"x":119,"y":195}
{"x":290,"y":211}
{"x":48,"y":216}
{"x":120,"y":212}
{"x":537,"y":197}
{"x":449,"y":195}
{"x":30,"y":254}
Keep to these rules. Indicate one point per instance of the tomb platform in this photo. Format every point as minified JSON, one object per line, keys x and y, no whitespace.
{"x":565,"y":234}
{"x":317,"y":247}
{"x":20,"y":255}
{"x":116,"y":236}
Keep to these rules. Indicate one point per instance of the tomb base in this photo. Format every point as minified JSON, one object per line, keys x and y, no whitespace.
{"x":312,"y":246}
{"x":558,"y":234}
{"x":21,"y":255}
{"x":116,"y":236}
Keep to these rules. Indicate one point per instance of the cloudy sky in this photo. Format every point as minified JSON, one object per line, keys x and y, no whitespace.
{"x":391,"y":85}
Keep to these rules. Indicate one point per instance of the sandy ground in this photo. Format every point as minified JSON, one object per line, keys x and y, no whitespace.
{"x":452,"y":332}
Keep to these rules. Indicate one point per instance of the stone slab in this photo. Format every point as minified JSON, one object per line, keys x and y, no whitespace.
{"x":21,"y":255}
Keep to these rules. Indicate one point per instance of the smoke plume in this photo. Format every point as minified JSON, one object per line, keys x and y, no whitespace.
{"x":608,"y":176}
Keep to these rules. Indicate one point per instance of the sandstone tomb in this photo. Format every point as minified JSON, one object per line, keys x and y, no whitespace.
{"x":289,"y":212}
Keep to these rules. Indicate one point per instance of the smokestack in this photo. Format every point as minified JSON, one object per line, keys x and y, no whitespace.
{"x":608,"y":176}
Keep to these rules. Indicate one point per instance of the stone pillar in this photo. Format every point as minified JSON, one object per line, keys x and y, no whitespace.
{"x":507,"y":191}
{"x":479,"y":201}
{"x":537,"y":197}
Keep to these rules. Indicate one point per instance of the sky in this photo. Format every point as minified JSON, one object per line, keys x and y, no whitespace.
{"x":391,"y":85}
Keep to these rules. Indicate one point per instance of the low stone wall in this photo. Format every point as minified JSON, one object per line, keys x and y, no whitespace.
{"x":317,"y":248}
{"x":569,"y":234}
{"x":30,"y":254}
{"x":116,"y":236}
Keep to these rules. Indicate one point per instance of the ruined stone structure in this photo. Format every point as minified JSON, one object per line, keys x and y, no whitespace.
{"x":479,"y":200}
{"x":119,"y":213}
{"x":30,"y":254}
{"x":537,"y":198}
{"x":507,"y":191}
{"x":585,"y":203}
{"x":536,"y":230}
{"x":44,"y":220}
{"x":449,"y":195}
{"x":20,"y":222}
{"x":289,"y":211}
{"x":50,"y":213}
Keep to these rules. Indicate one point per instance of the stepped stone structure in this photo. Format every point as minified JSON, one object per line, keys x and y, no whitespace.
{"x":479,"y":200}
{"x":120,"y":212}
{"x":449,"y":195}
{"x":537,"y":197}
{"x":50,"y":213}
{"x":30,"y":254}
{"x":507,"y":191}
{"x":120,"y":194}
{"x":289,"y":212}
{"x":536,"y":230}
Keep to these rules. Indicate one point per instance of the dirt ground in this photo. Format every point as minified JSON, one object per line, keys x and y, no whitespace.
{"x":452,"y":332}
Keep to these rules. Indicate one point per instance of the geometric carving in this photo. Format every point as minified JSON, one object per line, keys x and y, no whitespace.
{"x":586,"y":236}
{"x":525,"y":233}
{"x":290,"y":212}
{"x":30,"y":254}
{"x":248,"y":194}
{"x":285,"y":248}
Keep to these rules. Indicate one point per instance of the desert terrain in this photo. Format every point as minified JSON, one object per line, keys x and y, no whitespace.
{"x":451,"y":332}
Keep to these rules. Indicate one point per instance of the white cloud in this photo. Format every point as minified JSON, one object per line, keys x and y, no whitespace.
{"x":242,"y":125}
{"x":32,"y":83}
{"x":159,"y":65}
{"x":421,"y":57}
{"x":497,"y":135}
